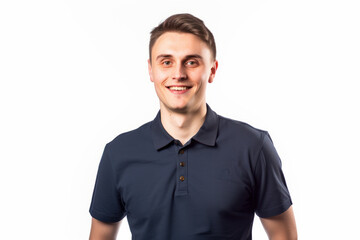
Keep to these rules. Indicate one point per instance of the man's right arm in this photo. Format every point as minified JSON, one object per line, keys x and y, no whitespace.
{"x":103,"y":231}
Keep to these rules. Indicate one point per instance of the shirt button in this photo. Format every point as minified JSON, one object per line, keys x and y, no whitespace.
{"x":182,"y":178}
{"x":182,"y":164}
{"x":181,"y":151}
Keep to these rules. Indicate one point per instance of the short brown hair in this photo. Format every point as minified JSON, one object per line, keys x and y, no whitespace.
{"x":186,"y":23}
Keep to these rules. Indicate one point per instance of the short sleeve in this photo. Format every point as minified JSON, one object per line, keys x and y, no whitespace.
{"x":106,"y":204}
{"x":271,"y":193}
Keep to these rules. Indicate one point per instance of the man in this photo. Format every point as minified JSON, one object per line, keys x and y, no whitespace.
{"x":190,"y":173}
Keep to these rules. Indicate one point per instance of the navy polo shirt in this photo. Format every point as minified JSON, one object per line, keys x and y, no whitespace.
{"x":206,"y":189}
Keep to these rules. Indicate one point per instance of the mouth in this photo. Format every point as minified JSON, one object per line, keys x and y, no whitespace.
{"x":178,"y":89}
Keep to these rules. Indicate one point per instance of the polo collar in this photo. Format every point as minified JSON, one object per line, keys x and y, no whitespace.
{"x":206,"y":135}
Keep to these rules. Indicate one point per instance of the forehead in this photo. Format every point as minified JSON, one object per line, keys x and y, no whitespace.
{"x":180,"y":44}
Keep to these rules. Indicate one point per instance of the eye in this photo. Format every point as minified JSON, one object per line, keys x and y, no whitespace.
{"x":166,"y":63}
{"x":191,"y":63}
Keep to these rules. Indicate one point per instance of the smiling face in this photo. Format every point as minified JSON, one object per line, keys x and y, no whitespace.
{"x":180,"y":68}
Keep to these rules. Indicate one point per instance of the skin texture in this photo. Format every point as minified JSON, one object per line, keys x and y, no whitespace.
{"x":281,"y":227}
{"x":103,"y":231}
{"x":183,"y":59}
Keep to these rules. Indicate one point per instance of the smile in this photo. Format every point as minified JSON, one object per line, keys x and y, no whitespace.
{"x":178,"y":89}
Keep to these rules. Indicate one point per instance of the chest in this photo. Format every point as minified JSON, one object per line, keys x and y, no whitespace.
{"x":183,"y":182}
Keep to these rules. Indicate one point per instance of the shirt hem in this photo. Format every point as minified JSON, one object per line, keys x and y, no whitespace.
{"x":275,"y":211}
{"x":104,"y":218}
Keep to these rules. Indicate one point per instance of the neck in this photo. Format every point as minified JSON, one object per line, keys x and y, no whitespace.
{"x":182,"y":125}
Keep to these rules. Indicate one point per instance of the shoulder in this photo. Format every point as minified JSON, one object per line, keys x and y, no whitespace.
{"x":241,"y":132}
{"x":131,"y":139}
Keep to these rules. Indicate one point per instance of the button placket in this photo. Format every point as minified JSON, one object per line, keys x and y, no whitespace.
{"x":182,"y":170}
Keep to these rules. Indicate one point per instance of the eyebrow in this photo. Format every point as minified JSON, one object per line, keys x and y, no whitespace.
{"x":163,"y":56}
{"x":186,"y":57}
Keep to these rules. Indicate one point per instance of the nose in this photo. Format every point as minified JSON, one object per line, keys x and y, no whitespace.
{"x":179,"y":72}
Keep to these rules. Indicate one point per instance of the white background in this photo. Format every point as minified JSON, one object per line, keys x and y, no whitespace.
{"x":74,"y":75}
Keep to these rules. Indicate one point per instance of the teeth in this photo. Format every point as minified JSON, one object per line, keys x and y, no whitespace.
{"x":178,"y":88}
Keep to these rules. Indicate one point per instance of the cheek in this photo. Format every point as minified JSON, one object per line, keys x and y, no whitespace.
{"x":159,"y":76}
{"x":200,"y":76}
{"x":199,"y":73}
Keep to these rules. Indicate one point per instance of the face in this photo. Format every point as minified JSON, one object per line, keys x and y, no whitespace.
{"x":180,"y":68}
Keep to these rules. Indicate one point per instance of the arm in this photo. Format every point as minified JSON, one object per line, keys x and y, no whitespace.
{"x":281,"y":227}
{"x":103,"y":231}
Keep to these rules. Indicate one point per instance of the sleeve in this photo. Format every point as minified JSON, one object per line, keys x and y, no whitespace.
{"x":106,"y":204}
{"x":272,"y":196}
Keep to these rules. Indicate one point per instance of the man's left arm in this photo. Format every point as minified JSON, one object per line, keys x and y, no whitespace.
{"x":281,"y":227}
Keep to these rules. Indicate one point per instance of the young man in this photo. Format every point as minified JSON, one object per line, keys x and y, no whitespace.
{"x":190,"y":173}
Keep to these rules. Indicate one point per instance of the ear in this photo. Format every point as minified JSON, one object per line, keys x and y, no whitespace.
{"x":213,"y":71}
{"x":150,"y":70}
